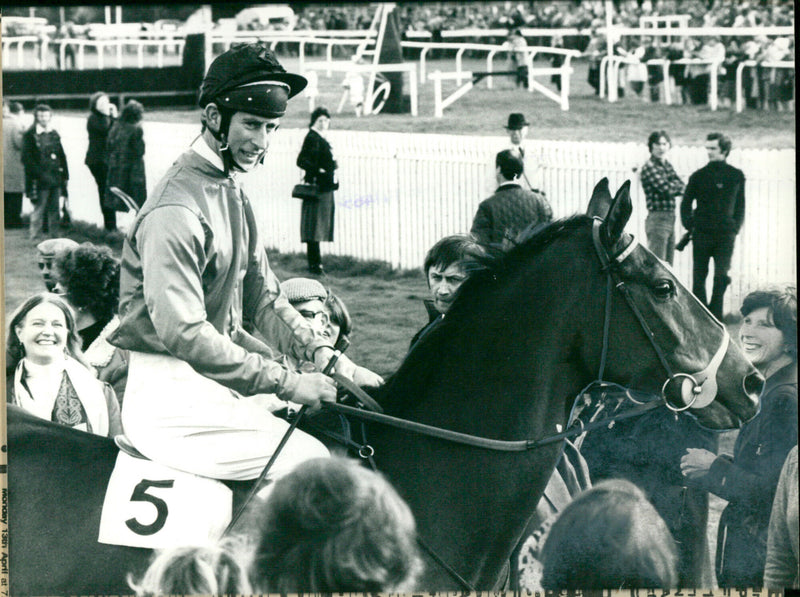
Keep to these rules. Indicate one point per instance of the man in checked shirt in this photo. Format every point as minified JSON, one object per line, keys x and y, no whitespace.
{"x":663,"y":188}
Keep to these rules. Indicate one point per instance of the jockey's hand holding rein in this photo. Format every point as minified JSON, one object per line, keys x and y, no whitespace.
{"x":313,"y":388}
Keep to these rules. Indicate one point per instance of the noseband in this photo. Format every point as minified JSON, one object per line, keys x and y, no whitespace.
{"x":695,"y":390}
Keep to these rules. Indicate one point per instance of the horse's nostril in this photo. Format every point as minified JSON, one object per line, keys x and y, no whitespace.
{"x":753,"y":384}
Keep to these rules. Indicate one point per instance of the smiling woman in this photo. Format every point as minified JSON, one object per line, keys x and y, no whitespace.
{"x":748,"y":480}
{"x":46,"y":374}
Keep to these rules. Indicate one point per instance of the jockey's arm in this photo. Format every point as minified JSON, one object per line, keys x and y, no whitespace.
{"x":175,"y":301}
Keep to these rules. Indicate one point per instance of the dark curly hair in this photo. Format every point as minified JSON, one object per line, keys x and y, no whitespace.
{"x":132,"y":112}
{"x":89,"y":275}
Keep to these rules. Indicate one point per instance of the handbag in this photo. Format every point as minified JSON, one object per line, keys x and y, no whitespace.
{"x":304,"y":190}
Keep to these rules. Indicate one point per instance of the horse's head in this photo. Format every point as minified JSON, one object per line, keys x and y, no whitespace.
{"x":694,"y":365}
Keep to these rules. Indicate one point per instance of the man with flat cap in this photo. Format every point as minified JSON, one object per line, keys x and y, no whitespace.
{"x":47,"y":251}
{"x":193,"y":268}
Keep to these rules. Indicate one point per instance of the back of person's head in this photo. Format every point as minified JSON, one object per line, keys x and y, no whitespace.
{"x":132,"y":112}
{"x":333,"y":526}
{"x":656,"y":137}
{"x":89,"y":276}
{"x":16,"y":108}
{"x":454,"y":249}
{"x":609,"y":537}
{"x":782,"y":305}
{"x":15,"y":351}
{"x":207,"y":570}
{"x":724,"y":141}
{"x":511,"y":165}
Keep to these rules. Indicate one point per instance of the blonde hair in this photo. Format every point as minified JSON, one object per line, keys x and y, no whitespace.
{"x":214,"y":569}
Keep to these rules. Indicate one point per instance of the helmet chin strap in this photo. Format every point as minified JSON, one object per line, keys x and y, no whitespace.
{"x":225,"y":151}
{"x":228,"y":160}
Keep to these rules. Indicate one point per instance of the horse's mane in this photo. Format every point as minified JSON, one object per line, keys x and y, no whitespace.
{"x":530,"y":241}
{"x":493,"y":270}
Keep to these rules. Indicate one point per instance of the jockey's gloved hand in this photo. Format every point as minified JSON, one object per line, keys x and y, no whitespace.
{"x":313,"y":388}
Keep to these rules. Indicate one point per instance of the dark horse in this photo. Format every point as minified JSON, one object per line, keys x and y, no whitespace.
{"x":520,"y":342}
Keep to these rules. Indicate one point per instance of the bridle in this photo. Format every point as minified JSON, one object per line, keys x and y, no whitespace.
{"x":696,"y":390}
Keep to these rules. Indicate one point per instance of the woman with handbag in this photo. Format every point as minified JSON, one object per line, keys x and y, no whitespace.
{"x":316,"y":158}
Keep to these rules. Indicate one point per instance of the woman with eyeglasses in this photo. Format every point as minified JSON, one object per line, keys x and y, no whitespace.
{"x":328,"y":315}
{"x":321,"y":307}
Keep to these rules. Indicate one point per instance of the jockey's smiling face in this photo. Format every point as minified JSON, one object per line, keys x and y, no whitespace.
{"x":43,"y":333}
{"x":443,"y":282}
{"x":249,"y":136}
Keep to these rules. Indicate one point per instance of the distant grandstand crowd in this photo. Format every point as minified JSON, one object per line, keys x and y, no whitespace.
{"x":587,"y":14}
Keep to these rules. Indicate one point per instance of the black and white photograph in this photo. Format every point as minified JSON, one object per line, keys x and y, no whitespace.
{"x":483,"y":297}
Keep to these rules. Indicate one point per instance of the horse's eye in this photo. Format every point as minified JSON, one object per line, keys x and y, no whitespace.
{"x":664,"y":289}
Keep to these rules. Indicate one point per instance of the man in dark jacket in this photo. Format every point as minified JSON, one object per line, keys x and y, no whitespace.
{"x":501,"y":217}
{"x":46,"y":172}
{"x":713,"y":210}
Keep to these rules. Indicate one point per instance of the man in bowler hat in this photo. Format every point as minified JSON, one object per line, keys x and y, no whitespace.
{"x":193,"y":269}
{"x":517,"y":129}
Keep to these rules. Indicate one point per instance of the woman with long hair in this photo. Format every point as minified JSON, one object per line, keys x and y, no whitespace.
{"x":46,"y":372}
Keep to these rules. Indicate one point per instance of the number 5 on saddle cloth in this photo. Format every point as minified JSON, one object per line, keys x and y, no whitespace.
{"x":151,"y":505}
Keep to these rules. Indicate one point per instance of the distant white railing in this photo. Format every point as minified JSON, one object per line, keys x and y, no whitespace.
{"x":41,"y":48}
{"x":479,"y":33}
{"x":100,"y":47}
{"x":740,"y":100}
{"x":609,"y":76}
{"x":400,"y":193}
{"x":19,"y":42}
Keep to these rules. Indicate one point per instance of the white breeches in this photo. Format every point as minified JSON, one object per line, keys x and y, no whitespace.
{"x":175,"y":416}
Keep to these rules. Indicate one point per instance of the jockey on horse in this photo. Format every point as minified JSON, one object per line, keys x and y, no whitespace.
{"x":193,"y":270}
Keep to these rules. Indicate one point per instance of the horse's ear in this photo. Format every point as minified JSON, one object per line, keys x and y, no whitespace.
{"x":600,"y":201}
{"x":618,"y":214}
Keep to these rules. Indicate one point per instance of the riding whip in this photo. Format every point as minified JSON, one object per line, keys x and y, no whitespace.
{"x":343,"y":342}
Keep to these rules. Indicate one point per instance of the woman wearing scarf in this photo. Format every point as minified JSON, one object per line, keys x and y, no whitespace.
{"x":46,"y":373}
